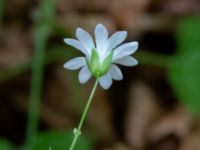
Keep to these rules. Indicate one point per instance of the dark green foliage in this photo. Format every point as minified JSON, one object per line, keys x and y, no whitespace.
{"x":184,"y":73}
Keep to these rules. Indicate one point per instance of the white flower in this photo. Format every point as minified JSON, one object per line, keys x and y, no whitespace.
{"x":102,"y":56}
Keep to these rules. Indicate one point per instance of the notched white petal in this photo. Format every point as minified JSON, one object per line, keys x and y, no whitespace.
{"x":101,"y":30}
{"x":116,"y":72}
{"x":101,"y":37}
{"x":125,"y":50}
{"x":116,"y":39}
{"x":127,"y":61}
{"x":84,"y":75}
{"x":85,"y":39}
{"x":76,"y":44}
{"x":106,"y":81}
{"x":75,"y":63}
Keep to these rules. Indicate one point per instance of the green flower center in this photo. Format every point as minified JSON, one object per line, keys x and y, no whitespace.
{"x":97,"y":67}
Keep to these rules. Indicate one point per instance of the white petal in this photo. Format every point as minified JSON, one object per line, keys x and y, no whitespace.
{"x":127,"y":61}
{"x":101,"y":37}
{"x":84,"y":75}
{"x":106,"y":81}
{"x":116,"y":39}
{"x":116,"y":72}
{"x":76,"y":44}
{"x":125,"y":50}
{"x":75,"y":63}
{"x":85,"y":39}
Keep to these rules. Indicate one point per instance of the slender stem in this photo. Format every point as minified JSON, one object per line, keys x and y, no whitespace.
{"x":36,"y":84}
{"x":77,"y":131}
{"x":41,"y":34}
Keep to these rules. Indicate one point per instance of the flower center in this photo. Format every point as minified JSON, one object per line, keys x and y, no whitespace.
{"x":97,"y":67}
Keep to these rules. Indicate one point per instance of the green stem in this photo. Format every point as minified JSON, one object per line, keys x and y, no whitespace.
{"x":42,"y":32}
{"x":77,"y":131}
{"x":40,"y":40}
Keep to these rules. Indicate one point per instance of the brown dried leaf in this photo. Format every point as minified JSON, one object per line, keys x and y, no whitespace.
{"x":178,"y":122}
{"x":16,"y":47}
{"x":133,"y":10}
{"x":191,"y":142}
{"x":181,"y":7}
{"x":142,"y":110}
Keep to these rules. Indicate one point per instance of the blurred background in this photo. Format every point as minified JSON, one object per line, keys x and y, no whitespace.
{"x":155,"y":107}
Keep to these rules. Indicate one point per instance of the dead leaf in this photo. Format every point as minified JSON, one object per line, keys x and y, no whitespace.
{"x":141,"y":112}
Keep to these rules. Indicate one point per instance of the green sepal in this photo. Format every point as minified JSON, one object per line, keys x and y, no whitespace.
{"x":94,"y":63}
{"x":96,"y":67}
{"x":106,"y":63}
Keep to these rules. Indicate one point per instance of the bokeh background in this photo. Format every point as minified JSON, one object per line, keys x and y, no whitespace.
{"x":155,"y":107}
